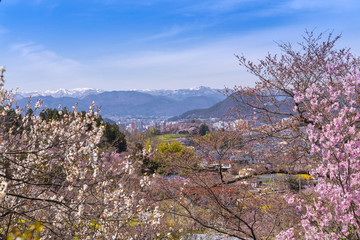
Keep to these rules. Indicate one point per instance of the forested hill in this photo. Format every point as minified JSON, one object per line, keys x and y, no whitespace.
{"x":230,"y":108}
{"x":221,"y":109}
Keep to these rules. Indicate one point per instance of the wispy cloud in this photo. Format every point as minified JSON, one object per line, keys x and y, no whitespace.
{"x":39,"y":55}
{"x":168,"y":33}
{"x":266,"y":7}
{"x":32,"y":66}
{"x":211,"y":64}
{"x":176,"y":31}
{"x":189,"y":42}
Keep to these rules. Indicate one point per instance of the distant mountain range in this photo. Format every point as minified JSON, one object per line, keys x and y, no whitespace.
{"x":116,"y":104}
{"x":182,"y":94}
{"x":74,"y":93}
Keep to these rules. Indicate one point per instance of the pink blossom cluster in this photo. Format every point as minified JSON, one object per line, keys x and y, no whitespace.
{"x":334,"y":135}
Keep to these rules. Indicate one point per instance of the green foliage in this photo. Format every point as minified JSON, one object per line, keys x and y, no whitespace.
{"x":11,"y":120}
{"x":32,"y":233}
{"x":204,"y":129}
{"x":295,"y":184}
{"x":29,"y":112}
{"x":148,"y":144}
{"x":112,"y":137}
{"x":115,"y":137}
{"x":174,"y":158}
{"x":154,"y":131}
{"x":171,"y":147}
{"x":144,"y":162}
{"x":49,"y":113}
{"x":170,"y":137}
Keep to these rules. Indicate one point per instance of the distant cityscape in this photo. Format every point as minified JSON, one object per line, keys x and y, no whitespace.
{"x":140,"y":110}
{"x":164,"y":124}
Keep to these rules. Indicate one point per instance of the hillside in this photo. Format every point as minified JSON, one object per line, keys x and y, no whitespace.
{"x":222,"y":110}
{"x":230,"y":108}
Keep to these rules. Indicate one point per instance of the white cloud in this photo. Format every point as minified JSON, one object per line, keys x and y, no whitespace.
{"x":31,"y":66}
{"x":34,"y":67}
{"x":211,"y":64}
{"x":38,"y":57}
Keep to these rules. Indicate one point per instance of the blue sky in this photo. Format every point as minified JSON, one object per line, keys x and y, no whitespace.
{"x":155,"y":44}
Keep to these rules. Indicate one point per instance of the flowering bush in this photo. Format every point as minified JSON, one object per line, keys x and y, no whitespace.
{"x":52,"y":172}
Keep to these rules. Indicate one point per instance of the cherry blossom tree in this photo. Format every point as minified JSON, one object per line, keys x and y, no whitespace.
{"x":280,"y":76}
{"x":309,"y":98}
{"x":52,"y":174}
{"x":334,"y":135}
{"x":307,"y":101}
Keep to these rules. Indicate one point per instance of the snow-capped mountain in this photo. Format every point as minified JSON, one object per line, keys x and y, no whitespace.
{"x":181,"y":94}
{"x":117,"y":104}
{"x":74,"y":93}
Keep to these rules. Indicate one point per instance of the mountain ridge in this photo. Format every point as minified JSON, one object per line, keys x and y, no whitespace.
{"x":223,"y":109}
{"x":83,"y":92}
{"x":117,"y":104}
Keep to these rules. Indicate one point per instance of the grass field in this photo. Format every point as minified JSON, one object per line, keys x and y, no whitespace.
{"x":170,"y":137}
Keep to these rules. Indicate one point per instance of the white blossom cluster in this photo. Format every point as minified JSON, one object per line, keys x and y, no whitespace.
{"x":51,"y":171}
